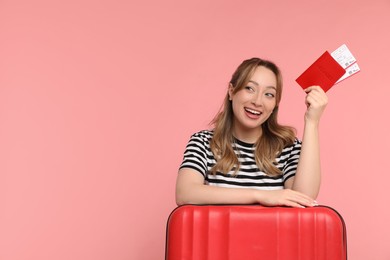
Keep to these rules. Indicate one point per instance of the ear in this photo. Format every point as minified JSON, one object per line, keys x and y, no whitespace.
{"x":230,"y":91}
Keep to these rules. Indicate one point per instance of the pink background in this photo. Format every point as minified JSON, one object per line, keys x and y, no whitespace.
{"x":98,"y":100}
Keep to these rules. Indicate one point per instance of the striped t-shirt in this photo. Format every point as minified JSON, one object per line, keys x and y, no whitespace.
{"x":198,"y":156}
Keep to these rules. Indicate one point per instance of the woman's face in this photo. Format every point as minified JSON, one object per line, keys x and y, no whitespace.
{"x":254,"y":103}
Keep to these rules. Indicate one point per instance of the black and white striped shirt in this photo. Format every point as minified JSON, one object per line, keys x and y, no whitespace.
{"x":198,"y":156}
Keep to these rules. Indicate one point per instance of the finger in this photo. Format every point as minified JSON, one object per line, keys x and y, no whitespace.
{"x":294,"y":205}
{"x":299,"y":203}
{"x":304,"y":200}
{"x":314,"y":88}
{"x":311,"y":101}
{"x":316,"y":98}
{"x":318,"y":93}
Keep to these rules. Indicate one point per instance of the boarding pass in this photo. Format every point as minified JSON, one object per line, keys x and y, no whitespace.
{"x":344,"y":57}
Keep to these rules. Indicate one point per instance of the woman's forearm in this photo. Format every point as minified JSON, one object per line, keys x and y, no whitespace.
{"x":308,"y":176}
{"x":205,"y":194}
{"x":190,"y":189}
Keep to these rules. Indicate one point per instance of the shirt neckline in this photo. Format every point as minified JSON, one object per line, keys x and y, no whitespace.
{"x":242,"y":143}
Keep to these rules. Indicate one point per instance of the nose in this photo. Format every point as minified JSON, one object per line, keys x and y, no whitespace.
{"x":257,"y":99}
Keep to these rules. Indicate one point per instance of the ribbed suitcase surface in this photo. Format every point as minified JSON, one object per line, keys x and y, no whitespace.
{"x":235,"y":232}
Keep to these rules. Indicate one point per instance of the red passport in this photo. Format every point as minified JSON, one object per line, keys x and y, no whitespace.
{"x":324,"y":72}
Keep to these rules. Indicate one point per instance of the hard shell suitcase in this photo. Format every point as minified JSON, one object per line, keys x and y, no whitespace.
{"x":245,"y":232}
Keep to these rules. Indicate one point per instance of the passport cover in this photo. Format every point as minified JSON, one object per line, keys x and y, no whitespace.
{"x":324,"y":72}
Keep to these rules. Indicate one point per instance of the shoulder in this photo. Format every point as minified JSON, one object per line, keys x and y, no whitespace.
{"x":296,"y":142}
{"x":295,"y":146}
{"x":203,"y":135}
{"x":201,"y":140}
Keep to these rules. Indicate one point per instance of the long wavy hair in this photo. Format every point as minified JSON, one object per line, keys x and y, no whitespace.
{"x":274,"y":136}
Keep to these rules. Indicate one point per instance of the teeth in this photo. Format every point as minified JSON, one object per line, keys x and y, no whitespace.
{"x":253,"y":111}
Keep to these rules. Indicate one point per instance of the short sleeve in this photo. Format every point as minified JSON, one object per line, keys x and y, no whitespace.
{"x":195,"y":155}
{"x":291,"y":154}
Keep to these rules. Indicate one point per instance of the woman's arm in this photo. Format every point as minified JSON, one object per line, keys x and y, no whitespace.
{"x":308,"y":176}
{"x":190,"y":189}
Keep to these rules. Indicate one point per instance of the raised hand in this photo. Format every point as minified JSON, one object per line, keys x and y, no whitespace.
{"x":316,"y":101}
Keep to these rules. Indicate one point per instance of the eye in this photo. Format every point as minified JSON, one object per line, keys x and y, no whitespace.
{"x":249,"y":88}
{"x":272,"y":95}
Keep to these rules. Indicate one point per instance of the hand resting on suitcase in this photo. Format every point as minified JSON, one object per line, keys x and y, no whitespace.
{"x":190,"y":189}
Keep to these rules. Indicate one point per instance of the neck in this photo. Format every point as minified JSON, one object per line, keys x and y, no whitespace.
{"x":247,"y":135}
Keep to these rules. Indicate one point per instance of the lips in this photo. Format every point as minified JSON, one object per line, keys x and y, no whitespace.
{"x":252,"y":111}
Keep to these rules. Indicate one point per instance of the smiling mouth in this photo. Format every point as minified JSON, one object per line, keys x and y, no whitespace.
{"x":253,"y":112}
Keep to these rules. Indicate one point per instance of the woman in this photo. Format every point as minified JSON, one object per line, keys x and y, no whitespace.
{"x":248,"y":157}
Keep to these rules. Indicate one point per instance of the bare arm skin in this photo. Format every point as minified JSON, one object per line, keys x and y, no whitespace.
{"x":308,"y":176}
{"x":190,"y":189}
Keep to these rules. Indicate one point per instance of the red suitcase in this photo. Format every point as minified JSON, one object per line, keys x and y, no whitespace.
{"x":235,"y":232}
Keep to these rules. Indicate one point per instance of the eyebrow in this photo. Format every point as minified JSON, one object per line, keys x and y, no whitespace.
{"x":257,"y":84}
{"x":254,"y":82}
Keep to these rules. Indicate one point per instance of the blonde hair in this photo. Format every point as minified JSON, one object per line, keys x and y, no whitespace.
{"x":274,"y":137}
